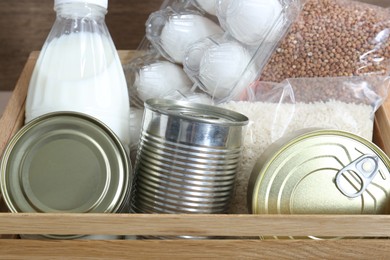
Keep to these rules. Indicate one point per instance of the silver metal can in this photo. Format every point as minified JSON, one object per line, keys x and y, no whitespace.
{"x":187,"y":158}
{"x":65,"y":162}
{"x":320,"y":171}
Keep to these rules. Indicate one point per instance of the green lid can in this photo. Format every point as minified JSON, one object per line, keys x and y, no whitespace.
{"x":65,"y":162}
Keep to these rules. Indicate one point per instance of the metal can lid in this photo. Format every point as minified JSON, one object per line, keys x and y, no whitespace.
{"x":197,"y":112}
{"x":65,"y":162}
{"x":320,"y":172}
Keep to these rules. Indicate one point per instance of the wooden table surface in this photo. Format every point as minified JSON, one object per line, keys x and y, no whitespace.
{"x":24,"y":25}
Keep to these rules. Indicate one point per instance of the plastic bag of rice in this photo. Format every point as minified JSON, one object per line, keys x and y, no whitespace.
{"x":342,"y":103}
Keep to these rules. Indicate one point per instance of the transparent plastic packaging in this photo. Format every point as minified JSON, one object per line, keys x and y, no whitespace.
{"x":78,"y":69}
{"x":276,"y":109}
{"x":171,"y":31}
{"x":220,"y":63}
{"x":252,"y":21}
{"x":220,"y":66}
{"x":151,"y":76}
{"x":208,"y":6}
{"x":333,"y":38}
{"x":136,"y":117}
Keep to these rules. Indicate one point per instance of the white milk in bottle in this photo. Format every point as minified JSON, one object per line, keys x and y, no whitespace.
{"x":79,"y":70}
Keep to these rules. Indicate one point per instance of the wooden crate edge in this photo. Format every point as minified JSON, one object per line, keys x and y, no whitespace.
{"x":226,"y":225}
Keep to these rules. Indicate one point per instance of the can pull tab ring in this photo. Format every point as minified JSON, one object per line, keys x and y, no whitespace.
{"x":365,"y":168}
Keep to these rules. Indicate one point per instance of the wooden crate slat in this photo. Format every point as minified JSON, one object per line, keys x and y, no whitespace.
{"x":196,"y":225}
{"x":13,"y":116}
{"x":382,"y":121}
{"x":195,"y":249}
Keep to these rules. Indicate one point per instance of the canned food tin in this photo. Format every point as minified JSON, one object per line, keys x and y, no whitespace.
{"x":65,"y":162}
{"x":187,"y":158}
{"x":320,"y":171}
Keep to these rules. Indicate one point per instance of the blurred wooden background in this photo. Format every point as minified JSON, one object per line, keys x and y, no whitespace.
{"x":24,"y":25}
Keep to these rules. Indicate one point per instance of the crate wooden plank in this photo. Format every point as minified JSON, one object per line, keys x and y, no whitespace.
{"x":195,"y":249}
{"x":382,"y":121}
{"x":196,"y":225}
{"x":13,"y":116}
{"x":378,"y":137}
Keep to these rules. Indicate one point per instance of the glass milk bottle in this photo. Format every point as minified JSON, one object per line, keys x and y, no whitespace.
{"x":79,"y":70}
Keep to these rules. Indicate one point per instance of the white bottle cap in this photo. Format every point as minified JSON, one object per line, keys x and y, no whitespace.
{"x":102,"y":3}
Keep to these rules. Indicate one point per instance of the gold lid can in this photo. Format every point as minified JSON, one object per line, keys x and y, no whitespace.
{"x":320,"y":171}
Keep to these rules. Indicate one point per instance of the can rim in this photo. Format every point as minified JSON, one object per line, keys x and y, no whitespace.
{"x":206,"y":113}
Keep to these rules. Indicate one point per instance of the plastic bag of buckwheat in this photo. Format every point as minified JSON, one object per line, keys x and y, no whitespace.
{"x":333,"y":38}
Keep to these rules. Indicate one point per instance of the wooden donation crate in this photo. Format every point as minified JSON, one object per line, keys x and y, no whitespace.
{"x":238,"y":234}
